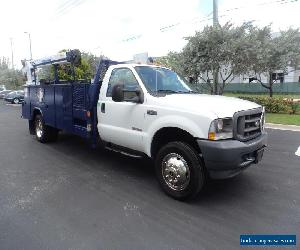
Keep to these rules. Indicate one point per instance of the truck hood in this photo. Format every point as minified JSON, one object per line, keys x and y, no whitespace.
{"x":221,"y":106}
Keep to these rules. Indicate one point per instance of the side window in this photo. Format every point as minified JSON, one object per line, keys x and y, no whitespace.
{"x":122,"y":76}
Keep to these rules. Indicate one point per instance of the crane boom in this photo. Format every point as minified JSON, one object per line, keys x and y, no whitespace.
{"x":29,"y":67}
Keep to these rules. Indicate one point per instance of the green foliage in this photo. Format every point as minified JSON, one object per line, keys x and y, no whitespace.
{"x":274,"y":53}
{"x":274,"y":105}
{"x":294,"y":105}
{"x":218,"y":52}
{"x":85,"y":70}
{"x":82,"y":71}
{"x":11,"y":78}
{"x":172,"y":60}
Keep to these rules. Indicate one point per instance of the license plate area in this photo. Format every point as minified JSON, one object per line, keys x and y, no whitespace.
{"x":258,"y":155}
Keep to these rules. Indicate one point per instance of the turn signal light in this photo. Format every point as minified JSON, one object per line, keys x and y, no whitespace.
{"x":211,"y":136}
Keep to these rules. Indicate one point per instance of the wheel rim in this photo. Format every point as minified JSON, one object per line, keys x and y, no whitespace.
{"x":175,"y":171}
{"x":16,"y":101}
{"x":39,"y":128}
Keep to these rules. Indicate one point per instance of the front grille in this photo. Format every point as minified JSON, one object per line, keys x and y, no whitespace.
{"x":248,"y":124}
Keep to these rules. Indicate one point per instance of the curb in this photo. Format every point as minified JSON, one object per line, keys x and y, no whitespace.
{"x":283,"y":127}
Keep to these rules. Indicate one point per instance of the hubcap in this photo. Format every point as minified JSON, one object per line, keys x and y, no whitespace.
{"x":39,"y":128}
{"x":175,"y":171}
{"x":16,"y":101}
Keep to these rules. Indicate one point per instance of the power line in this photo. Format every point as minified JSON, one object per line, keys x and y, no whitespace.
{"x":64,"y":4}
{"x":165,"y":28}
{"x":68,"y":6}
{"x":260,"y":4}
{"x":170,"y":26}
{"x":207,"y":18}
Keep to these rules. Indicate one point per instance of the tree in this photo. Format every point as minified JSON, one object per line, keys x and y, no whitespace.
{"x":85,"y":70}
{"x":217,"y":52}
{"x":92,"y":60}
{"x":11,"y":78}
{"x":82,"y":71}
{"x":172,"y":60}
{"x":275,"y":54}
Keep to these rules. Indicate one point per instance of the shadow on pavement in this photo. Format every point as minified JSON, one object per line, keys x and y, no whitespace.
{"x":215,"y":191}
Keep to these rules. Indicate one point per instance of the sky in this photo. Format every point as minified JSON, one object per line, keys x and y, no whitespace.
{"x":121,"y":28}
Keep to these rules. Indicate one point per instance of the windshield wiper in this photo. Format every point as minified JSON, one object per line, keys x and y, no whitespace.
{"x":166,"y":91}
{"x":174,"y":91}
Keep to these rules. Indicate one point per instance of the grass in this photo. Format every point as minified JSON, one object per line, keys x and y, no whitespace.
{"x":283,"y":119}
{"x":275,"y":118}
{"x":286,"y":119}
{"x":294,"y":96}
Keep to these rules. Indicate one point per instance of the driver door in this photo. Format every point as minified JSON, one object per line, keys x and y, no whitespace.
{"x":121,"y":123}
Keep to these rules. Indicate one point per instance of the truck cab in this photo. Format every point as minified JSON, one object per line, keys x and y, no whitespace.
{"x":149,"y":110}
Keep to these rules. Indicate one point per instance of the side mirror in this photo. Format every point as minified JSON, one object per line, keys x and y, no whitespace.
{"x":117,"y":93}
{"x":139,"y":98}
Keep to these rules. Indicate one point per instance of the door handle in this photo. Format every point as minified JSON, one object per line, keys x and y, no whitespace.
{"x":103,"y":107}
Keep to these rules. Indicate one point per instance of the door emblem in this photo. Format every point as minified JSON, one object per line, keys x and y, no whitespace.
{"x":137,"y":129}
{"x":151,"y":112}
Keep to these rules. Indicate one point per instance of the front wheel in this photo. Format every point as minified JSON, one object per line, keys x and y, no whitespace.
{"x":16,"y":101}
{"x":179,"y":170}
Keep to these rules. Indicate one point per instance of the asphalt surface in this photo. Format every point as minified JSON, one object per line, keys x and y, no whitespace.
{"x":65,"y":195}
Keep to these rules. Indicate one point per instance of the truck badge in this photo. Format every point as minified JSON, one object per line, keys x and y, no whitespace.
{"x":40,"y":95}
{"x":257,"y":124}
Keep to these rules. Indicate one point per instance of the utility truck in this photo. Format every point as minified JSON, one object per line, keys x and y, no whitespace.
{"x":148,"y":110}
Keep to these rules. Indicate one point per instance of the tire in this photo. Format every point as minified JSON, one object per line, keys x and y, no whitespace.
{"x":44,"y":133}
{"x":179,"y":170}
{"x":16,"y":101}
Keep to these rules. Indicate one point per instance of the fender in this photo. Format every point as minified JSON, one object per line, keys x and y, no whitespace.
{"x":34,"y":110}
{"x":174,"y":121}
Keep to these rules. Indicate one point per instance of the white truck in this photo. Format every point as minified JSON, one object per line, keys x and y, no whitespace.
{"x":148,"y":110}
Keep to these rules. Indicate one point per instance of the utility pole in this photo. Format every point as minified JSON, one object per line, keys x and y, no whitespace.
{"x":215,"y":23}
{"x":12,"y":53}
{"x":215,"y":13}
{"x":29,"y":37}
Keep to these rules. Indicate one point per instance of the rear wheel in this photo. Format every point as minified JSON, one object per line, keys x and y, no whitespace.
{"x":179,"y":170}
{"x":44,"y":133}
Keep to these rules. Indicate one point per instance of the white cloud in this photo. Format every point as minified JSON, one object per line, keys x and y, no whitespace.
{"x":104,"y":26}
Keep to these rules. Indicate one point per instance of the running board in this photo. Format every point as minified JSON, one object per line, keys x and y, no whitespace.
{"x":123,"y":151}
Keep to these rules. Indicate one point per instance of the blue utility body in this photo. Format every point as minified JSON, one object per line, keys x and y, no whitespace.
{"x":67,"y":106}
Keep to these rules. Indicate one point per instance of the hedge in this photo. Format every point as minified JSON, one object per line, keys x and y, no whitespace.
{"x":275,"y":104}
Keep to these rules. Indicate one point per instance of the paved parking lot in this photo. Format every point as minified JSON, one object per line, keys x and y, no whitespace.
{"x":65,"y":195}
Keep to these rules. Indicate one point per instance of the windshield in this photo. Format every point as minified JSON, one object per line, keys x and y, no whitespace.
{"x":158,"y":79}
{"x":11,"y":93}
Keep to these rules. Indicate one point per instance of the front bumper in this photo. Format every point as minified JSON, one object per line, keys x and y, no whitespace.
{"x":227,"y":158}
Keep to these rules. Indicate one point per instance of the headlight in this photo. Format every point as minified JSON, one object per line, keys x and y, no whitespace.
{"x":220,"y":129}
